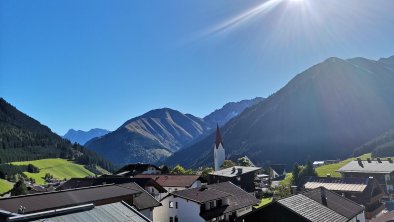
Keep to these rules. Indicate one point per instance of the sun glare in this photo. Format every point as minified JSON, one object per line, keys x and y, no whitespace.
{"x":296,"y":0}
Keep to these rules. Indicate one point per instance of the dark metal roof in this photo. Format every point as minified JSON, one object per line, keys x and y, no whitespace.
{"x":169,"y":180}
{"x":374,"y":166}
{"x":87,"y":182}
{"x":134,"y":169}
{"x":67,"y":198}
{"x":237,"y":198}
{"x":119,"y":211}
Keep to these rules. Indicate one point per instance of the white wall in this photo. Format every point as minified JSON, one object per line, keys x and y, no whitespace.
{"x":219,"y":156}
{"x":187,"y":211}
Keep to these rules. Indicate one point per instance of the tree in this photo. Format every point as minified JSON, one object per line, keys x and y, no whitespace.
{"x":32,"y":169}
{"x":165,"y":169}
{"x":245,"y":161}
{"x":282,"y":191}
{"x":19,"y":188}
{"x":296,"y":175}
{"x":48,"y":177}
{"x":178,"y":169}
{"x":308,"y":170}
{"x":227,"y":164}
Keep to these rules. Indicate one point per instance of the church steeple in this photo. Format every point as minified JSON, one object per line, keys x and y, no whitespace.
{"x":218,"y":140}
{"x":218,"y":150}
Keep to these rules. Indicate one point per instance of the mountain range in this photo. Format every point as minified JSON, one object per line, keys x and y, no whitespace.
{"x":159,"y":133}
{"x":24,"y":138}
{"x":324,"y":112}
{"x":81,"y":137}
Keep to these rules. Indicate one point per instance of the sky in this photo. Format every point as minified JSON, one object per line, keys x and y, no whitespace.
{"x":84,"y":64}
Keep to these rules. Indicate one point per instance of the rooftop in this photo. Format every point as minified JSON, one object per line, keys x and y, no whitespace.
{"x":234,"y":171}
{"x":365,"y":166}
{"x":237,"y":198}
{"x":68,"y":198}
{"x":118,"y":211}
{"x":169,"y":180}
{"x":133,"y":169}
{"x":337,"y":184}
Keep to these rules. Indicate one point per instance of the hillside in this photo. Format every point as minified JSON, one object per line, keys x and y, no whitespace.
{"x":58,"y":168}
{"x":23,"y":138}
{"x":323,"y":113}
{"x":380,"y":146}
{"x":158,"y":133}
{"x":81,"y":137}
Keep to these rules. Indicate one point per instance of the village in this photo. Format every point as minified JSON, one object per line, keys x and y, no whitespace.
{"x":229,"y":192}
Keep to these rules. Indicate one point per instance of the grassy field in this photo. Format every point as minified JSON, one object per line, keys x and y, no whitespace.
{"x":264,"y":201}
{"x":5,"y":186}
{"x":331,"y":169}
{"x":59,"y":168}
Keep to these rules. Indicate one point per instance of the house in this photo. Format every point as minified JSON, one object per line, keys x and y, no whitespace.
{"x":241,"y":176}
{"x":215,"y":202}
{"x":138,"y":168}
{"x":364,"y":191}
{"x":317,"y":205}
{"x":172,"y":182}
{"x":131,"y":193}
{"x":117,"y":211}
{"x":381,"y":170}
{"x":278,"y":171}
{"x":151,"y":186}
{"x":318,"y":163}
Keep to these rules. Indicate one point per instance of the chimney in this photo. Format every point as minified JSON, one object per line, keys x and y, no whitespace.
{"x":323,"y":196}
{"x":379,"y":160}
{"x":369,"y":160}
{"x":390,"y":160}
{"x":239,"y":170}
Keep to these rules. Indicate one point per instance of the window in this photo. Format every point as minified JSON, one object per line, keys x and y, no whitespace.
{"x":171,"y":204}
{"x":171,"y":219}
{"x":211,"y":204}
{"x":220,"y":202}
{"x":202,"y":207}
{"x":176,"y":205}
{"x":176,"y":218}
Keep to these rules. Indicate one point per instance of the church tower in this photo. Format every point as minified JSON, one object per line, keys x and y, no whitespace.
{"x":218,"y":150}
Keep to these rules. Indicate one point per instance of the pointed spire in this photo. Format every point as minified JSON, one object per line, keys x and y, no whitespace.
{"x":218,"y":140}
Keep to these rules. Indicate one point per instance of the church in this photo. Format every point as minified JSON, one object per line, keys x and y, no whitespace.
{"x":218,"y":150}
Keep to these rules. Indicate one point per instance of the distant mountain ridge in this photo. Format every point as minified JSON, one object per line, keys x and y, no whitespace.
{"x":323,"y":113}
{"x":158,"y":133}
{"x":81,"y":137}
{"x":24,"y":138}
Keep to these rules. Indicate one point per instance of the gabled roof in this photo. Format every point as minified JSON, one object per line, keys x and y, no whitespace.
{"x":111,"y":179}
{"x":129,"y":192}
{"x":234,"y":171}
{"x":237,"y":198}
{"x":218,"y":139}
{"x":374,"y":166}
{"x":171,"y":180}
{"x":278,"y":168}
{"x":134,"y":169}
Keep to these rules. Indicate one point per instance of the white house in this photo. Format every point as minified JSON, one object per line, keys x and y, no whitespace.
{"x":216,"y":202}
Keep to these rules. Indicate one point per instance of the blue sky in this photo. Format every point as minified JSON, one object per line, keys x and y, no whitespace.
{"x":85,"y":64}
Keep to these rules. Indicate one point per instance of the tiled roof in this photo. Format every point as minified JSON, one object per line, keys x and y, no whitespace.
{"x":237,"y":198}
{"x":373,"y":166}
{"x":311,"y":209}
{"x":337,"y":184}
{"x":88,"y":182}
{"x":168,"y":180}
{"x":233,"y":171}
{"x":67,"y":198}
